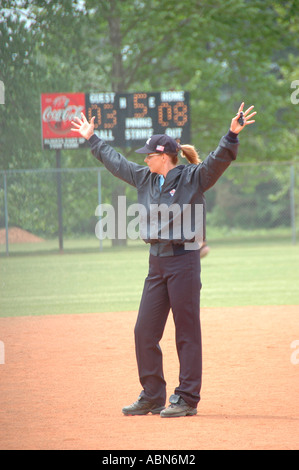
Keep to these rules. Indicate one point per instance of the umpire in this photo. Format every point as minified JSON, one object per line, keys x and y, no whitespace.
{"x":173,"y":280}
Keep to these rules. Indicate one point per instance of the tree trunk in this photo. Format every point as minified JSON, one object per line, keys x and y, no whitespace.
{"x":117,"y":87}
{"x":115,"y":36}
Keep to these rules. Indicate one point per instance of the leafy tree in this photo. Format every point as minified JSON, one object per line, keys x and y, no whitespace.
{"x":223,"y":53}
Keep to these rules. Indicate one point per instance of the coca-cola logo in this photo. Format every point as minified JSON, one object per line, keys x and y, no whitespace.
{"x":59,"y":114}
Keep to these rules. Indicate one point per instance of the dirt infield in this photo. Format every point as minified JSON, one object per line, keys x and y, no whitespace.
{"x":18,"y":235}
{"x":65,"y":379}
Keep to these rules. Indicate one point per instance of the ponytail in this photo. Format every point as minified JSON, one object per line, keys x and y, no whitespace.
{"x":189,"y":152}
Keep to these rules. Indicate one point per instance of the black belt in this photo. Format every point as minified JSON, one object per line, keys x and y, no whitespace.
{"x":169,"y":249}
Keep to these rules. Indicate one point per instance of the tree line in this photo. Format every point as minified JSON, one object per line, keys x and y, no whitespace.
{"x":222,"y":52}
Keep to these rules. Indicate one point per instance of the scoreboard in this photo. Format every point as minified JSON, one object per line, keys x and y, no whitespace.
{"x":121,"y":119}
{"x":127,"y":119}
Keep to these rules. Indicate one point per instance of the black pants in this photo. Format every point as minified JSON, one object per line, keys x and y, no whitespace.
{"x":173,"y":282}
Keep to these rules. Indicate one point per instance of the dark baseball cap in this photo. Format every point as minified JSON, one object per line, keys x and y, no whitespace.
{"x":160,"y":143}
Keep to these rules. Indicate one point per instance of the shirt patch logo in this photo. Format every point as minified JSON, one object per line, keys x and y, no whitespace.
{"x":172,"y":192}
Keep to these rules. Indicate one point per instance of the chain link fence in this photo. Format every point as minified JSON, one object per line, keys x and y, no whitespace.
{"x":255,"y":201}
{"x":55,"y":210}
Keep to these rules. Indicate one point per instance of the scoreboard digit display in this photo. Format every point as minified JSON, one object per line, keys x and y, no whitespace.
{"x":121,"y":119}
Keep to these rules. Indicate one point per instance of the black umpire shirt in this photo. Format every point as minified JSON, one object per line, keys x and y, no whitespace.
{"x":172,"y":218}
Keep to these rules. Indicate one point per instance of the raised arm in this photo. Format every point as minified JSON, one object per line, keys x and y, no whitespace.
{"x":115,"y":162}
{"x":218,"y":161}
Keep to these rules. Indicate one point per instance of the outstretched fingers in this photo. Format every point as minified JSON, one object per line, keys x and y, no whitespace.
{"x":76,"y":125}
{"x":240,"y":108}
{"x":84,"y":118}
{"x":248,"y":110}
{"x":250,"y":116}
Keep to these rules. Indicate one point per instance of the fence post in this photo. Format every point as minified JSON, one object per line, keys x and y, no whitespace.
{"x":100,"y":201}
{"x":6,"y":214}
{"x":292,"y":204}
{"x":59,"y":200}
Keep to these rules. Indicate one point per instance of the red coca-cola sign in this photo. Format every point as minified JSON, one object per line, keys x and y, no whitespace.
{"x":58,"y":110}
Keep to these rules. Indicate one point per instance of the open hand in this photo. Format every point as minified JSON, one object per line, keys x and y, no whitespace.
{"x":85,"y":128}
{"x":235,"y":126}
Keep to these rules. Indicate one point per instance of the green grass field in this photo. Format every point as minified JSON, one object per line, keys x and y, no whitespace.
{"x":233,"y":274}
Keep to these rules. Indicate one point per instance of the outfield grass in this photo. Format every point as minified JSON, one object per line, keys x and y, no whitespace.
{"x":233,"y":274}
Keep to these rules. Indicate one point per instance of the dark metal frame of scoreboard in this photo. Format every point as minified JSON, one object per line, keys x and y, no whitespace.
{"x":129,"y":119}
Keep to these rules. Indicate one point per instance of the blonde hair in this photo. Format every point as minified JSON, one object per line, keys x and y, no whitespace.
{"x":189,"y":152}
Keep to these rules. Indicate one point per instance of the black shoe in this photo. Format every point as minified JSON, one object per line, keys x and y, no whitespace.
{"x":178,"y":407}
{"x":142,"y":407}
